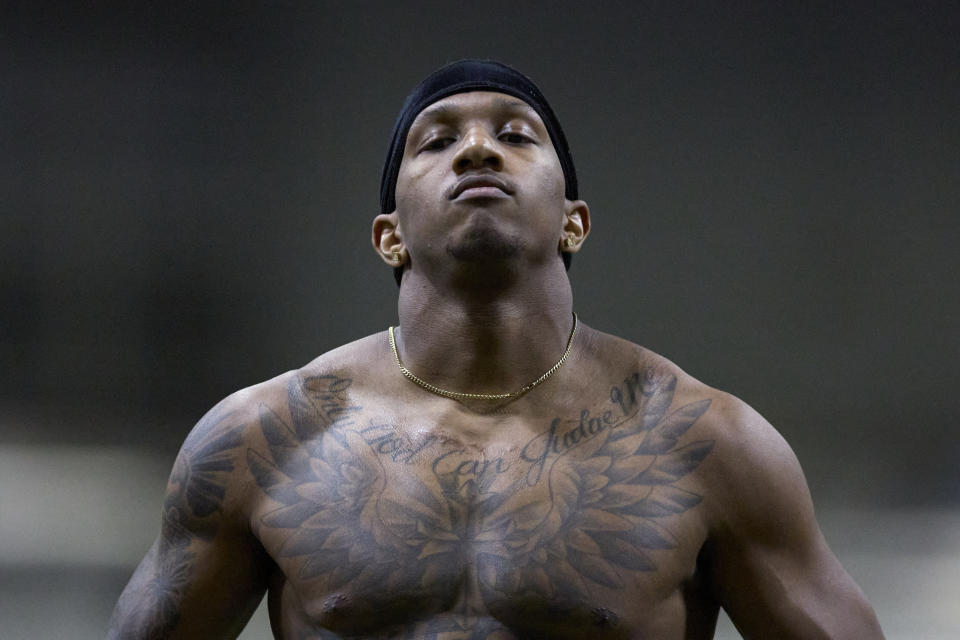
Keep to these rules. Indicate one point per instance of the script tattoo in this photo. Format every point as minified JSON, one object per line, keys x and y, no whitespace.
{"x":150,"y":605}
{"x":578,"y":509}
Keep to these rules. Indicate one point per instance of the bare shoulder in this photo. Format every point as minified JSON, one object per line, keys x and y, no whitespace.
{"x":210,"y":473}
{"x":749,"y":465}
{"x":753,"y":478}
{"x":764,"y":556}
{"x":752,"y":472}
{"x":205,"y":490}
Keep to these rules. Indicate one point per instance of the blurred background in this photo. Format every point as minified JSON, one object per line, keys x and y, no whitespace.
{"x":186,"y":193}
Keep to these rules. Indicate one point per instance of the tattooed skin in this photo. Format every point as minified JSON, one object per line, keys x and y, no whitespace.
{"x":150,"y":606}
{"x":474,"y":546}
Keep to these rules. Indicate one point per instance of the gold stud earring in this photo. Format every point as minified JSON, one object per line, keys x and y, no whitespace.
{"x":396,"y":256}
{"x":568,"y":242}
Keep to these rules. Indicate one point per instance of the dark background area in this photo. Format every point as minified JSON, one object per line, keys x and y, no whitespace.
{"x":187,"y":192}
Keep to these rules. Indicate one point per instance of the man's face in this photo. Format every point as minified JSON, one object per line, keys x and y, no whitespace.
{"x":480,"y":181}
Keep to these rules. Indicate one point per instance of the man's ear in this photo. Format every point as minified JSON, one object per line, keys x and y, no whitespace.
{"x":387,"y":241}
{"x":576,"y":226}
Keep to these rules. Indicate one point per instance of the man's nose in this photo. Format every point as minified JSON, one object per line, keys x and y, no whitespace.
{"x":478,"y":150}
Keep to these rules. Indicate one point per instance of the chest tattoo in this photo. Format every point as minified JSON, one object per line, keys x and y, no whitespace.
{"x":579,"y":507}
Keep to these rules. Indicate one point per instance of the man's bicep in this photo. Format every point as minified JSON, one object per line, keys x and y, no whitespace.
{"x":205,"y":573}
{"x":186,"y":587}
{"x":771,"y":568}
{"x":776,"y":591}
{"x":150,"y":605}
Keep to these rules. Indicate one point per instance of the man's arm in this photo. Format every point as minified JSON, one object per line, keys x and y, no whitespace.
{"x":771,"y":568}
{"x":205,"y":573}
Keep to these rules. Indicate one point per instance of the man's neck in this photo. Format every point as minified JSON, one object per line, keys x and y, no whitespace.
{"x":483,"y":341}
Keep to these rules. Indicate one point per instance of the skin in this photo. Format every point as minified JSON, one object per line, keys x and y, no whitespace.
{"x":621,"y":498}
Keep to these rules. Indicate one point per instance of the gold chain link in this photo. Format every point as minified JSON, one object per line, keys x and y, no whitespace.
{"x":481,"y":396}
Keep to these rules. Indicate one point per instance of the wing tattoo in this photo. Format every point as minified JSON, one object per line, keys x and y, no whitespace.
{"x":607,"y":498}
{"x":327,"y":488}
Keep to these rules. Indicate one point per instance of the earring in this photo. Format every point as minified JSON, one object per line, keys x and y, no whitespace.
{"x":396,"y":256}
{"x":568,"y":241}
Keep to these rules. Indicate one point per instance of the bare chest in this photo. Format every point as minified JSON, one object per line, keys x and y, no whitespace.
{"x":579,"y":529}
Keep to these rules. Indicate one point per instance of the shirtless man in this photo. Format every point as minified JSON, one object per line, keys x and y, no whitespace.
{"x":493,"y":468}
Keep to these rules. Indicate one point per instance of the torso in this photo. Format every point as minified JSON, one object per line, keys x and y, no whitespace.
{"x":571,"y":513}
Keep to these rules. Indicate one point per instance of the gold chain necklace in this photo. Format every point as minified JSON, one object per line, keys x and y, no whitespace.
{"x":481,"y":396}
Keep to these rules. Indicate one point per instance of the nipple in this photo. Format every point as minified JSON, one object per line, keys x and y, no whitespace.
{"x":335,"y":603}
{"x":604,"y":618}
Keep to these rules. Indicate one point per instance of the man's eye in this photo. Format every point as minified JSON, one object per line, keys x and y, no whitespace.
{"x":512,"y":137}
{"x":437,"y":144}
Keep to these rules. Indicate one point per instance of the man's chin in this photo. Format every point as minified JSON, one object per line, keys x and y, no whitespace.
{"x":484,"y":245}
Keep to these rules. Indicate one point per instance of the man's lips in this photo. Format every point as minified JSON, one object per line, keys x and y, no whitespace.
{"x":480,"y":185}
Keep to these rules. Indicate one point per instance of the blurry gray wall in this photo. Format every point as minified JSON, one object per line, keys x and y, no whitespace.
{"x":186,"y":193}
